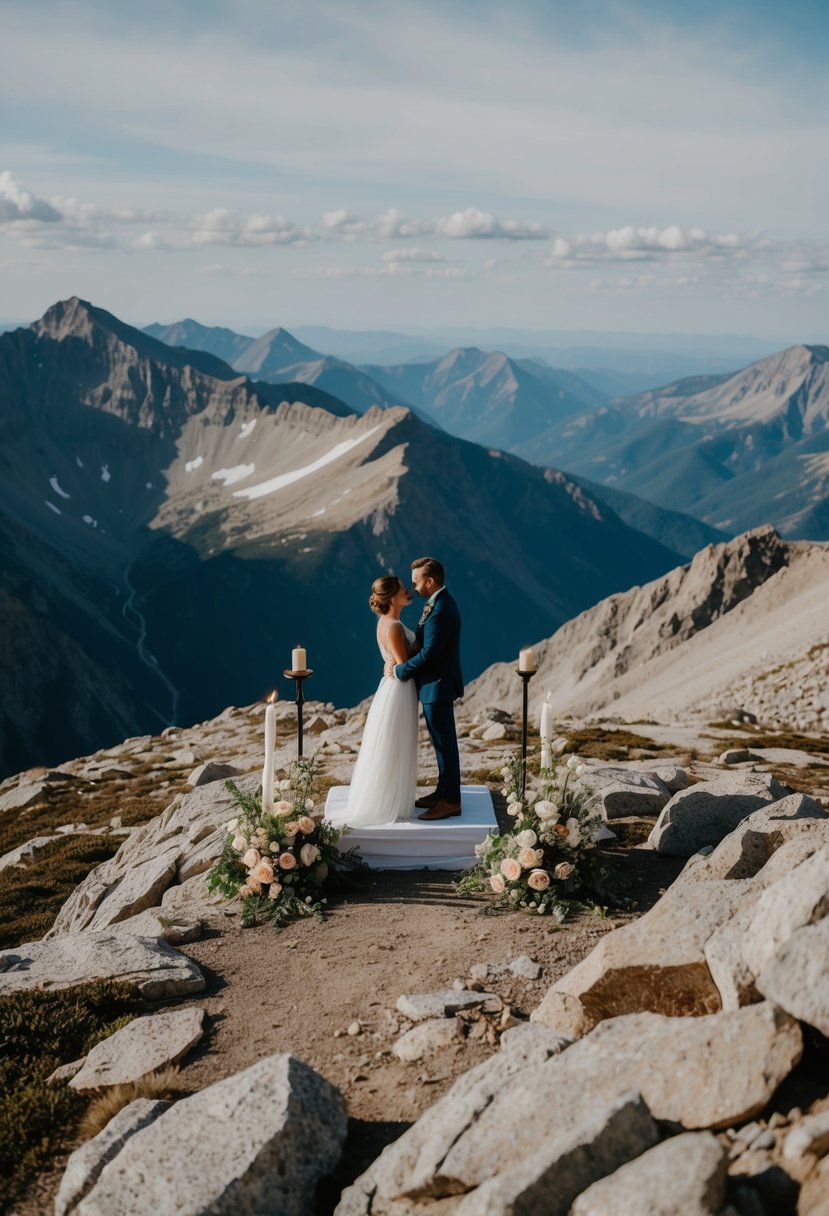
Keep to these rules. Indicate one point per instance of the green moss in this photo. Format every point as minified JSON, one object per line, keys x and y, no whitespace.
{"x":38,"y":1032}
{"x":32,"y":896}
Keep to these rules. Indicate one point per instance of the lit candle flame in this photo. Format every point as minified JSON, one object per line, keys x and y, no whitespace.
{"x":273,"y":698}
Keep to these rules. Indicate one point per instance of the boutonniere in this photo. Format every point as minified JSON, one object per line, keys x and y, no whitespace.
{"x":426,"y":611}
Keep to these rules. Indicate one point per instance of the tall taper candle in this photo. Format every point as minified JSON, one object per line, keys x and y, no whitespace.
{"x":299,"y":659}
{"x":267,"y":771}
{"x":546,"y":732}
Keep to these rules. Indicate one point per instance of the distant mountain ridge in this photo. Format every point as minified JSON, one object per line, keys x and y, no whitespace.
{"x":169,"y":528}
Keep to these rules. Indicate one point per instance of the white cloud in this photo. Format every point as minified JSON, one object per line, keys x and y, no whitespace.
{"x":412,"y":255}
{"x":651,"y":244}
{"x":482,"y":225}
{"x":19,"y":204}
{"x":224,"y":227}
{"x":471,"y":224}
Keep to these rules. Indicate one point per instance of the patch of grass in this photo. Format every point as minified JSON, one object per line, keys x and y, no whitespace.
{"x":32,"y":896}
{"x":38,"y":1032}
{"x":604,"y":744}
{"x":816,"y":745}
{"x":164,"y":1083}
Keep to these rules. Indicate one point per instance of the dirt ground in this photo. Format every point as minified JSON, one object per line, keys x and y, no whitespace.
{"x":301,"y":989}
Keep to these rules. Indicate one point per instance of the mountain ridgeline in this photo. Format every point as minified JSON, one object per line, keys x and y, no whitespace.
{"x":170,"y":527}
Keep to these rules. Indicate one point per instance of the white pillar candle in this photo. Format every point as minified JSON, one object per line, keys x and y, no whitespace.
{"x":299,"y":659}
{"x":526,"y":659}
{"x":267,"y":771}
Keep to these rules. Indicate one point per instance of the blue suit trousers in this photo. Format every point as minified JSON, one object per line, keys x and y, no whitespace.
{"x":440,"y":722}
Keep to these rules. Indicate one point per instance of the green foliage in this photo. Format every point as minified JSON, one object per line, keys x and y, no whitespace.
{"x":292,"y":854}
{"x":38,"y":1032}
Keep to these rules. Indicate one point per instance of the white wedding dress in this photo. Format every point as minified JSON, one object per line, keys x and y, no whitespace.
{"x":384,"y":781}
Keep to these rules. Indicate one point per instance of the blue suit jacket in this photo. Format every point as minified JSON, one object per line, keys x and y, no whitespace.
{"x":436,"y":668}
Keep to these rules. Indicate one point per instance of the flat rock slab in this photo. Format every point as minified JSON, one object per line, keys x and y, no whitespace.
{"x":26,"y":852}
{"x":253,"y":1144}
{"x":155,"y":969}
{"x":656,"y":963}
{"x":158,"y":922}
{"x":705,"y":813}
{"x":620,"y":792}
{"x":213,"y":770}
{"x":700,"y":1072}
{"x":84,"y":1166}
{"x":426,"y":1038}
{"x":686,"y":1174}
{"x":797,"y":978}
{"x":24,"y":795}
{"x":141,"y":1046}
{"x":417,"y":1007}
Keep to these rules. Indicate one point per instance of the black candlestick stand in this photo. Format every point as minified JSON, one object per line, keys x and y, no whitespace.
{"x":299,"y":677}
{"x":526,"y":676}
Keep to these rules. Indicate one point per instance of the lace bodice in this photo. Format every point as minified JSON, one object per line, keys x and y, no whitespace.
{"x":383,"y":627}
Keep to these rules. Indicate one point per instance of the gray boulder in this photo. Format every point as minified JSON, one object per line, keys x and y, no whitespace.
{"x":141,"y":1046}
{"x":85,"y":1164}
{"x":419,"y":1006}
{"x":656,"y":963}
{"x":22,"y":796}
{"x":252,"y":1145}
{"x":705,"y":813}
{"x":505,"y":1117}
{"x":426,"y":1038}
{"x":686,"y":1174}
{"x":212,"y":770}
{"x":155,"y":969}
{"x":26,"y":852}
{"x":619,"y":792}
{"x":747,"y":849}
{"x":797,"y":978}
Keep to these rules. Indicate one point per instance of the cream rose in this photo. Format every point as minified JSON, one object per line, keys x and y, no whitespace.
{"x":244,"y":890}
{"x":309,"y":804}
{"x":497,"y":884}
{"x":255,"y":885}
{"x":306,"y":825}
{"x":530,"y":858}
{"x":239,"y":843}
{"x":291,"y":828}
{"x":515,"y":809}
{"x":547,"y":812}
{"x":527,"y":838}
{"x":263,"y":870}
{"x":572,"y":762}
{"x":283,"y":808}
{"x":510,"y":869}
{"x":251,"y":858}
{"x":287,"y":861}
{"x":539,"y":880}
{"x":563,"y":870}
{"x":573,"y":832}
{"x":308,"y":854}
{"x":275,"y":890}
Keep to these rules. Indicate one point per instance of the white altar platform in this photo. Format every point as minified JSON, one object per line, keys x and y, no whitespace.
{"x":443,"y":844}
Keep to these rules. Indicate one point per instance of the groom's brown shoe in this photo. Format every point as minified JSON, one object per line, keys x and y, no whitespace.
{"x":442,"y":810}
{"x":427,"y":801}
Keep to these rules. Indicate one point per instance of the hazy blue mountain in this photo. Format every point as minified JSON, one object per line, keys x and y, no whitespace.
{"x":485,"y":396}
{"x":169,"y":528}
{"x":223,"y":343}
{"x":735,"y":451}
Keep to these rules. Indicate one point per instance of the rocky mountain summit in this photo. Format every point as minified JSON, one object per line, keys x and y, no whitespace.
{"x":743,"y":624}
{"x":683,"y":1038}
{"x":154,"y":500}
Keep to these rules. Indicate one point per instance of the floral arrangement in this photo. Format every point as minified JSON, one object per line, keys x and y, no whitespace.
{"x":549,"y":862}
{"x":278,"y":862}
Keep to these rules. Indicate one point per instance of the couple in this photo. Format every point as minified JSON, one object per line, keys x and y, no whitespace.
{"x":424,"y":665}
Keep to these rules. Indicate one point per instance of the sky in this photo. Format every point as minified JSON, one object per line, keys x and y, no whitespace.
{"x":607,"y":166}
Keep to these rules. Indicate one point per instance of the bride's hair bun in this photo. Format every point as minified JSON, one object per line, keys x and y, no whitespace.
{"x":383,"y":591}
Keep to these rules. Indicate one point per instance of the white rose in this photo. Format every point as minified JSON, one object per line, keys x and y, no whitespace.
{"x":572,"y":762}
{"x":308,"y":854}
{"x":239,"y":843}
{"x":573,"y":832}
{"x":285,"y":784}
{"x":309,"y":804}
{"x":515,"y":809}
{"x":527,"y":838}
{"x":547,"y":812}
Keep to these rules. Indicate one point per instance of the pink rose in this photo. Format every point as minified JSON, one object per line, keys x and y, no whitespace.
{"x":564,"y":869}
{"x":539,"y":880}
{"x":255,"y":886}
{"x":275,"y":890}
{"x":287,"y":861}
{"x":530,"y":858}
{"x":510,"y":869}
{"x":239,"y":843}
{"x":308,"y":854}
{"x":306,"y":825}
{"x":292,"y":828}
{"x":244,"y":890}
{"x":283,"y":808}
{"x":251,"y":858}
{"x":497,"y":883}
{"x":263,"y":870}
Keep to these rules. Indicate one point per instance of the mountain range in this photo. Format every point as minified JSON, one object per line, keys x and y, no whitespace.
{"x":171,"y":527}
{"x":734,"y":451}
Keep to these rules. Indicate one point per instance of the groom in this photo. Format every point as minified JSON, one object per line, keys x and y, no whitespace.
{"x":436,"y":669}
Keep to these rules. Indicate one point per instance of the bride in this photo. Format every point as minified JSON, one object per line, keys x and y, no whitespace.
{"x":383,"y":784}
